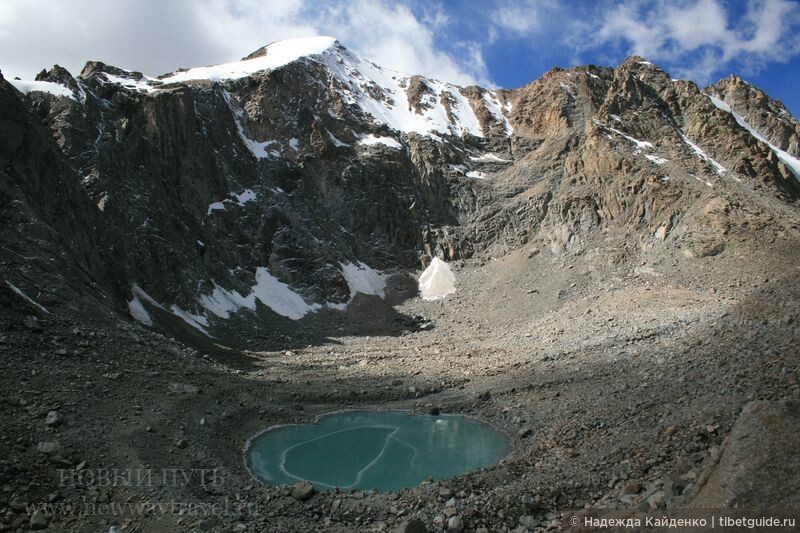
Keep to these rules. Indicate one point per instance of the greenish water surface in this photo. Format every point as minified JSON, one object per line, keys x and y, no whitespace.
{"x":380,"y":450}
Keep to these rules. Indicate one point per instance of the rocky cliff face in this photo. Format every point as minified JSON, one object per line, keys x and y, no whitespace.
{"x":292,"y":181}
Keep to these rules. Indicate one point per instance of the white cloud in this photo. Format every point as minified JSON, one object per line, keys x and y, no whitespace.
{"x":522,"y":18}
{"x":392,"y":36}
{"x":158,"y":37}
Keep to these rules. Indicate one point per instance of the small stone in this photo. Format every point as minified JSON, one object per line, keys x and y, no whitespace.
{"x":61,"y":351}
{"x":181,"y":443}
{"x":38,"y":520}
{"x":525,"y":433}
{"x":32,"y":324}
{"x":48,"y":446}
{"x":455,"y":524}
{"x":631,"y":488}
{"x":397,"y":382}
{"x":52,"y":419}
{"x":527,"y":521}
{"x":415,"y":525}
{"x":670,"y":431}
{"x":302,"y":491}
{"x":485,"y":395}
{"x":683,"y":465}
{"x":450,"y":511}
{"x":435,"y":411}
{"x":112,"y":375}
{"x":657,"y":500}
{"x":184,"y":388}
{"x":18,"y":504}
{"x":444,"y":492}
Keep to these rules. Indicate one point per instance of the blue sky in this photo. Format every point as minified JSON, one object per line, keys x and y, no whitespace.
{"x":503,"y":43}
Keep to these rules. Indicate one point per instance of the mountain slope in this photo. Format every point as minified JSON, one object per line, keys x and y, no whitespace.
{"x":250,"y":194}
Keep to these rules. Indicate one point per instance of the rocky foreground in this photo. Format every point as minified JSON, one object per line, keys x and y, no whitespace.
{"x":622,"y":391}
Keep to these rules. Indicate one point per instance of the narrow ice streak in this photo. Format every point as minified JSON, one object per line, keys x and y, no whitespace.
{"x":437,"y":281}
{"x":336,"y":142}
{"x":138,"y":312}
{"x":56,"y":89}
{"x":702,"y":155}
{"x":641,"y":145}
{"x":372,"y":140}
{"x":26,"y":297}
{"x":476,"y":174}
{"x":258,"y":149}
{"x":492,"y":103}
{"x":489,"y":157}
{"x":137,"y":309}
{"x":199,"y":322}
{"x":789,"y":160}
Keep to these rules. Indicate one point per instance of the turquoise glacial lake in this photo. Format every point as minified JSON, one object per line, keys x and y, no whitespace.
{"x":374,"y":450}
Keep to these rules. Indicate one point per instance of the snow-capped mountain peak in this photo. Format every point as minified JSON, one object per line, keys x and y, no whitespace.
{"x":269,"y":57}
{"x":402,"y":102}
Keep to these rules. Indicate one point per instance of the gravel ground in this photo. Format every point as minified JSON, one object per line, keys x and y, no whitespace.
{"x":617,"y":384}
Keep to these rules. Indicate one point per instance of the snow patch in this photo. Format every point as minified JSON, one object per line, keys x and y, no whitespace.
{"x":215,"y":206}
{"x":655,"y":159}
{"x":223,"y":302}
{"x":461,"y":169}
{"x":240,"y":199}
{"x":245,"y":196}
{"x":476,"y":174}
{"x":372,"y":140}
{"x":130,"y":83}
{"x":492,"y":103}
{"x":437,"y":281}
{"x":56,"y":89}
{"x":363,"y":279}
{"x":489,"y":157}
{"x":137,"y":309}
{"x":138,"y":312}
